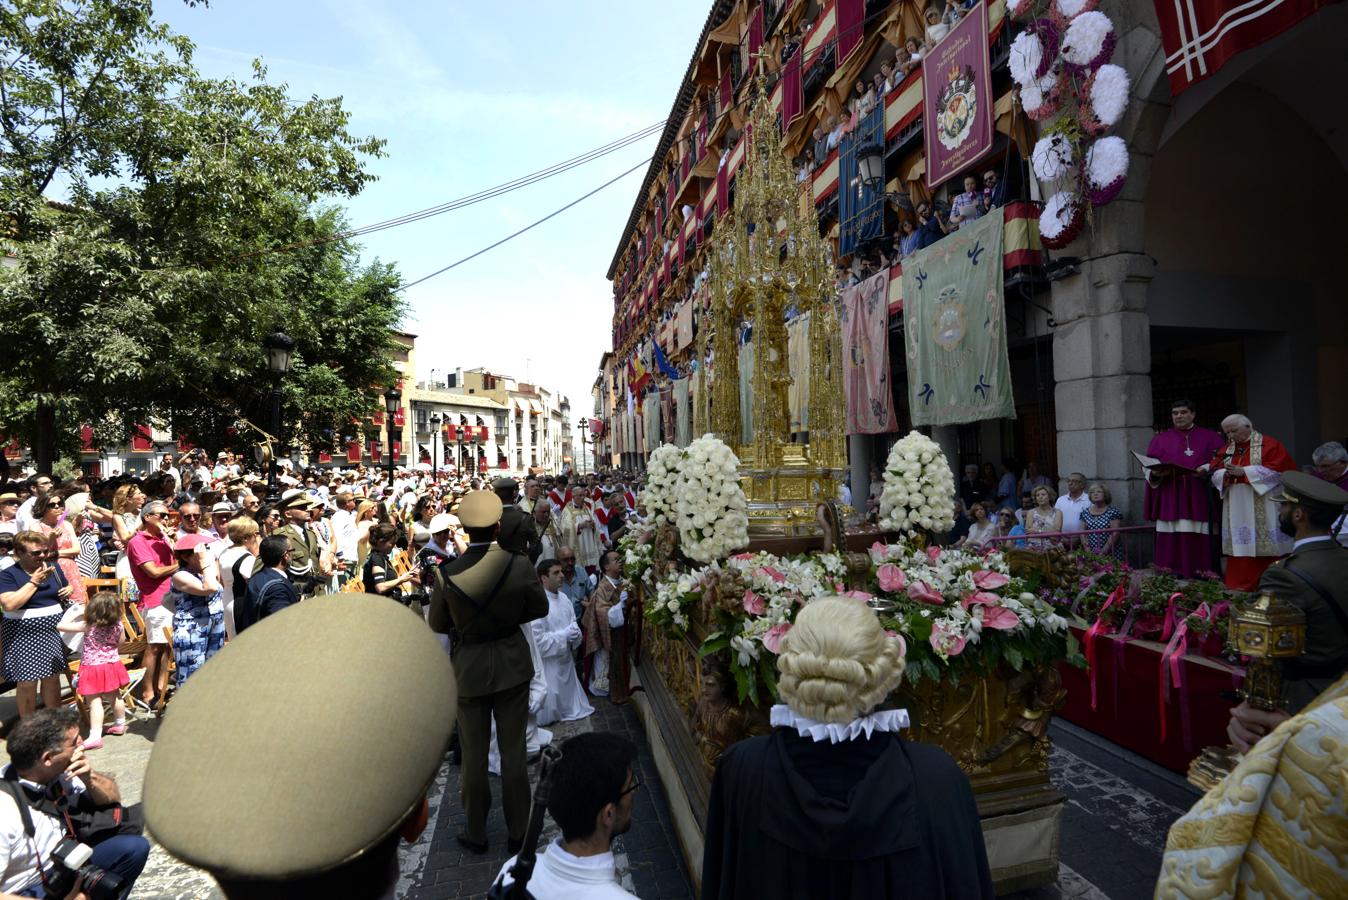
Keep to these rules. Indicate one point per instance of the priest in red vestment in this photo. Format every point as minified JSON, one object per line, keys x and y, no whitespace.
{"x":1246,"y":474}
{"x":1179,"y":499}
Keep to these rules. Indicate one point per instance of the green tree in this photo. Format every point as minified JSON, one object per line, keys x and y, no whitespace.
{"x":147,"y":294}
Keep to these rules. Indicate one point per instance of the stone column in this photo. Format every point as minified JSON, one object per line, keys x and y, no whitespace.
{"x":1102,"y":361}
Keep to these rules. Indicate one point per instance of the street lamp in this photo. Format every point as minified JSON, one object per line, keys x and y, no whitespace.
{"x":435,"y":440}
{"x":871,"y":164}
{"x":392,"y":397}
{"x":458,"y":432}
{"x":584,"y":432}
{"x":279,"y":346}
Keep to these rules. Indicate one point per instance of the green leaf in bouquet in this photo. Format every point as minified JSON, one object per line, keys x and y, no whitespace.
{"x":1015,"y":658}
{"x":714,"y":642}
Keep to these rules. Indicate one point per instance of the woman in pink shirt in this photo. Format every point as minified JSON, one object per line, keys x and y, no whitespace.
{"x":152,"y":568}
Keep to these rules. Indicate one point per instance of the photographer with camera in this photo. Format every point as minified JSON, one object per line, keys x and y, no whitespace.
{"x":60,"y":821}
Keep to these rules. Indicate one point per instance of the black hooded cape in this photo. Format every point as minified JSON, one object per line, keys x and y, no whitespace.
{"x":869,"y":818}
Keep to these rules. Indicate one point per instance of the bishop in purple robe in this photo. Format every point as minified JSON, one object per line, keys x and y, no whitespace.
{"x":1179,"y":501}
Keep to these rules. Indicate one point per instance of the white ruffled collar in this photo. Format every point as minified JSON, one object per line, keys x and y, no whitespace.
{"x":887,"y":720}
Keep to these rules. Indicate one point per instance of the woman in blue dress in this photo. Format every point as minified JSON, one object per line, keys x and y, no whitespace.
{"x":1102,"y":518}
{"x":198,"y":606}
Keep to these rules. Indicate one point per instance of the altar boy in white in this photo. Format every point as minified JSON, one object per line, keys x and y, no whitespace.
{"x":558,"y":636}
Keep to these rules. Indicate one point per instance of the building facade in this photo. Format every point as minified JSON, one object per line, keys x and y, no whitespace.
{"x":1185,"y":286}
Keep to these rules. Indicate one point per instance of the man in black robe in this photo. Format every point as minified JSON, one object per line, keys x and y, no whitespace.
{"x":823,"y":811}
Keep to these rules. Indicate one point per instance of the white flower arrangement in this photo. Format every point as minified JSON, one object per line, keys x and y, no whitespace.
{"x":1106,"y":169}
{"x":1067,"y":10}
{"x":662,"y":480}
{"x":1052,"y":157}
{"x":1088,"y":41}
{"x":1028,"y":60}
{"x":1042,"y":97}
{"x":1104,"y":98}
{"x":711,"y":512}
{"x":1062,"y":220}
{"x":919,"y":487}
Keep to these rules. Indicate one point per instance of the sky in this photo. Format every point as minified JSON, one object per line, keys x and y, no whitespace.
{"x":470,"y":95}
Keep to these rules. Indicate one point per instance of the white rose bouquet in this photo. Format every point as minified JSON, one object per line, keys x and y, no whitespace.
{"x":711,"y":512}
{"x":662,"y":483}
{"x":919,"y":487}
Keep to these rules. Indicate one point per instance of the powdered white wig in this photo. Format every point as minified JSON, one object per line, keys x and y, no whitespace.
{"x":837,"y":663}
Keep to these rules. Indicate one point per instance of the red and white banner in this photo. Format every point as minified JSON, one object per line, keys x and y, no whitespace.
{"x":1201,"y":36}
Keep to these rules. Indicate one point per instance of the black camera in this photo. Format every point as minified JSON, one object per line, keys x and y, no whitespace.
{"x":73,"y":859}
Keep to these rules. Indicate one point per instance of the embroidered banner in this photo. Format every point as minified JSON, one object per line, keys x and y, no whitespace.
{"x":955,"y":328}
{"x":793,"y":93}
{"x":1201,"y":36}
{"x":957,"y":99}
{"x":865,"y":329}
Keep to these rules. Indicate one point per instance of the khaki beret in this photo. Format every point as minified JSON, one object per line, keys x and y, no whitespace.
{"x":274,"y":761}
{"x":1302,"y":486}
{"x":479,"y":509}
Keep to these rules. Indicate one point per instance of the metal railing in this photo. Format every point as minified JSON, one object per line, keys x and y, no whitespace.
{"x":1130,"y":537}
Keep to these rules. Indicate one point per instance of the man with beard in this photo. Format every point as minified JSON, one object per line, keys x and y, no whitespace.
{"x":1313,"y":577}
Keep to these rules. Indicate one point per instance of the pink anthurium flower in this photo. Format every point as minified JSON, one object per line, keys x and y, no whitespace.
{"x":773,"y":638}
{"x":999,"y":617}
{"x":891,"y":577}
{"x":990,"y":581}
{"x":773,"y":574}
{"x":920,"y":590}
{"x":754,"y":604}
{"x":980,"y":598}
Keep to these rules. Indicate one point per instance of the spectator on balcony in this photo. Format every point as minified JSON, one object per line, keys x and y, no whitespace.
{"x":806,"y":166}
{"x":967,"y":206}
{"x":863,"y":100}
{"x":908,"y":238}
{"x":888,"y":80}
{"x":1101,"y":521}
{"x":908,"y":57}
{"x":835,"y":132}
{"x":931,"y":229}
{"x":936,"y":27}
{"x":821,"y":148}
{"x":954,"y":11}
{"x":791,"y":46}
{"x":994,"y":191}
{"x":879,"y":87}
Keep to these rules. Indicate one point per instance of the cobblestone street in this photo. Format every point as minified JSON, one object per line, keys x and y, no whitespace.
{"x":1118,"y":811}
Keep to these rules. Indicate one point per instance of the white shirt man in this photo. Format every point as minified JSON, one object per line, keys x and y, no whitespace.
{"x":344,"y":526}
{"x":1073,"y":503}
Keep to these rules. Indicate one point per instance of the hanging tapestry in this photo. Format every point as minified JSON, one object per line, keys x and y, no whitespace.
{"x":955,"y":328}
{"x":865,"y":328}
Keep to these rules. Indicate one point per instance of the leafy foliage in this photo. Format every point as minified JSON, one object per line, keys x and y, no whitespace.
{"x":147,"y":295}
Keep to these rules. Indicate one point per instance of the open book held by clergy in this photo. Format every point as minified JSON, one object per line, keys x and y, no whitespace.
{"x":1153,"y":467}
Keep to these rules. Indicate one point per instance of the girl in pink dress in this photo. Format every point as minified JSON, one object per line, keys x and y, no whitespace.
{"x":102,"y":674}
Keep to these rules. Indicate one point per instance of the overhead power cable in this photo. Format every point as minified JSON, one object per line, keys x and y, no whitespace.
{"x":510,"y":237}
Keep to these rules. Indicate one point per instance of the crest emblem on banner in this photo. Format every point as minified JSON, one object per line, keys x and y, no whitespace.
{"x":948,"y":321}
{"x":957,"y":106}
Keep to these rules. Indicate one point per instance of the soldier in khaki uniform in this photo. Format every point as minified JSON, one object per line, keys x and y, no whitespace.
{"x":1314,"y":578}
{"x":518,"y":532}
{"x":481,"y":600}
{"x":307,"y":568}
